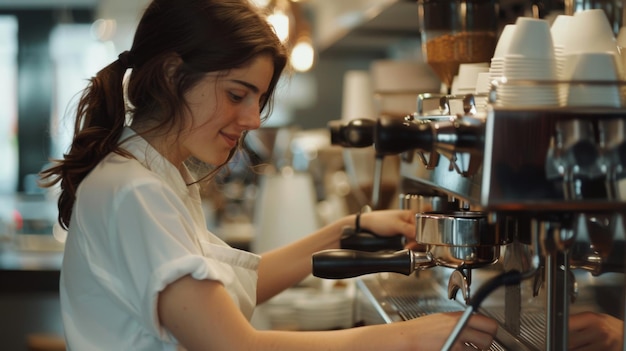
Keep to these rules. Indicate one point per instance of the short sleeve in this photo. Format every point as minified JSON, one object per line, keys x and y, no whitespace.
{"x":158,"y":244}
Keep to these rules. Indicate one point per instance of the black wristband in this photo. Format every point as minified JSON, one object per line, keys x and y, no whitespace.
{"x":357,"y":220}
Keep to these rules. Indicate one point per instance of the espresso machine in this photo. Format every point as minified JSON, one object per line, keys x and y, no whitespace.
{"x":531,"y":200}
{"x":536,"y":191}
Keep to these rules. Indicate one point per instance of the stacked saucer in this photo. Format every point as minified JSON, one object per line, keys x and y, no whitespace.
{"x":465,"y":82}
{"x":560,"y":30}
{"x":325,"y":311}
{"x":496,"y":69}
{"x":280,"y":309}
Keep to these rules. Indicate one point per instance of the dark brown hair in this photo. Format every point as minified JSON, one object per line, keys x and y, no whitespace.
{"x":206,"y":35}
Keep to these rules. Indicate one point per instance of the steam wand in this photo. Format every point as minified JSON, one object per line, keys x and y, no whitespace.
{"x":378,"y":178}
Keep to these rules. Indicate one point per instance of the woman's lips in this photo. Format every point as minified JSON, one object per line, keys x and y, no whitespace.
{"x":231,"y":139}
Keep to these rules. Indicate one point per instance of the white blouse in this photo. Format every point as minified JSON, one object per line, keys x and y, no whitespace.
{"x":136,"y":227}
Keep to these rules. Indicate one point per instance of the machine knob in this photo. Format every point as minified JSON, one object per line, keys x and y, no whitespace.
{"x":357,"y":133}
{"x":395,"y":135}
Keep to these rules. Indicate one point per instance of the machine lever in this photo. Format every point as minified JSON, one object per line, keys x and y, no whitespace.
{"x":340,"y":264}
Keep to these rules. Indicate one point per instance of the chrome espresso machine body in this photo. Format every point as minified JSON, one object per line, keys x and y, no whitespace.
{"x":540,"y":192}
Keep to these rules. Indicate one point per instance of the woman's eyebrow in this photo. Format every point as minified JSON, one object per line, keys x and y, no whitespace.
{"x":248,"y":85}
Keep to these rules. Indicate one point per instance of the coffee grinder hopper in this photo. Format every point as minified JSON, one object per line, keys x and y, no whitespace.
{"x":455,"y":32}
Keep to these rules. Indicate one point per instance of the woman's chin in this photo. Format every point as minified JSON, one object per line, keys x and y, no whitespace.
{"x":214,"y":158}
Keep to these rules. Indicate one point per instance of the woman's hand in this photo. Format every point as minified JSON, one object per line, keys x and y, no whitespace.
{"x":390,"y":222}
{"x":595,"y":331}
{"x":431,"y":332}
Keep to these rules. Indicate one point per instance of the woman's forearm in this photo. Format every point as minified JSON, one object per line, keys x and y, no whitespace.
{"x":286,"y":266}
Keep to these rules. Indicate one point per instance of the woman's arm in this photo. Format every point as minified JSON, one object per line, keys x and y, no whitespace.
{"x":286,"y":266}
{"x":201,"y":316}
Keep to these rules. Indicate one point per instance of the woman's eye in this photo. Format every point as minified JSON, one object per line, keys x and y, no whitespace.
{"x":235,"y":97}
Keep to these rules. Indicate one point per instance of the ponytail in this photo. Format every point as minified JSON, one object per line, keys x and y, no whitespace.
{"x":200,"y":36}
{"x":100,"y":120}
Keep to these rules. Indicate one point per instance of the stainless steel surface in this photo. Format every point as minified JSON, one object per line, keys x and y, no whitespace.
{"x":420,"y":203}
{"x":459,"y":281}
{"x":463,"y":256}
{"x":395,"y":299}
{"x":378,"y":178}
{"x":518,"y":152}
{"x":395,"y":295}
{"x":457,"y":228}
{"x":542,"y":189}
{"x":554,"y":167}
{"x":389,"y":298}
{"x":566,"y":164}
{"x":458,"y":239}
{"x":512,"y":294}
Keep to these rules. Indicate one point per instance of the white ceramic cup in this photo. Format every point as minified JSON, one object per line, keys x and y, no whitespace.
{"x":592,"y":32}
{"x":562,"y":29}
{"x":621,"y":37}
{"x":531,"y":39}
{"x":502,"y":47}
{"x":592,"y":66}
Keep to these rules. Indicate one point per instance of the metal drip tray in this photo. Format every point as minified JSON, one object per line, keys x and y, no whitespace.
{"x":396,"y":298}
{"x":410,"y":307}
{"x":533,"y":324}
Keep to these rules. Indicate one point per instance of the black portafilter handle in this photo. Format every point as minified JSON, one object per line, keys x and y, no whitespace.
{"x":365,"y":240}
{"x":357,"y":133}
{"x":395,"y":135}
{"x":341,"y":264}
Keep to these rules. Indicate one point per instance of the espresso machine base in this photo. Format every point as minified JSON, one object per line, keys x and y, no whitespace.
{"x":391,"y":297}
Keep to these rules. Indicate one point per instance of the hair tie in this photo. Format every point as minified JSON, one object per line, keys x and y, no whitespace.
{"x":126,"y":59}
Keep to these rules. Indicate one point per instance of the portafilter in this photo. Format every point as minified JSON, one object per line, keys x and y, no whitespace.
{"x":459,"y":240}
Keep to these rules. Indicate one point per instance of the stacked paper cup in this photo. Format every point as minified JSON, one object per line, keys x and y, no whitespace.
{"x":530,"y":57}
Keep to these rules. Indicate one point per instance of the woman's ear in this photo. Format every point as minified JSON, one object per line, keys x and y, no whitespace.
{"x":170,"y":66}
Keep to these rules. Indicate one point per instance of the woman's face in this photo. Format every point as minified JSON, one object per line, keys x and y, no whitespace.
{"x":222,"y":106}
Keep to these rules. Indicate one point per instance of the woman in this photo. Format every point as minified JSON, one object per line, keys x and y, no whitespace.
{"x":140,"y":270}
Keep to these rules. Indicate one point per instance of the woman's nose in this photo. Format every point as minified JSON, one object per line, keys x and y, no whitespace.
{"x":250,"y":118}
